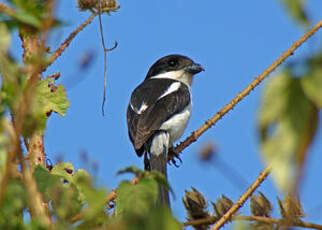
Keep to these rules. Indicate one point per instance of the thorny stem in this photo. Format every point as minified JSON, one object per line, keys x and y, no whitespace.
{"x":213,"y":120}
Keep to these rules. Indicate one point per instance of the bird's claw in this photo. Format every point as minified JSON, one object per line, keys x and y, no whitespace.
{"x":174,"y":156}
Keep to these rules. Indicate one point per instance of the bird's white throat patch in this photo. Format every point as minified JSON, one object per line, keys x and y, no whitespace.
{"x":179,"y":75}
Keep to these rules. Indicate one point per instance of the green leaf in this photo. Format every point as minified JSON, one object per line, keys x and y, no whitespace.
{"x":132,"y":169}
{"x":27,"y":18}
{"x":142,"y":196}
{"x":64,"y":197}
{"x":312,"y":82}
{"x":287,"y":122}
{"x":47,"y":98}
{"x":13,"y":203}
{"x":94,"y":199}
{"x":31,"y":13}
{"x":51,"y":100}
{"x":5,"y":39}
{"x":64,"y":169}
{"x":160,"y":219}
{"x":297,"y":11}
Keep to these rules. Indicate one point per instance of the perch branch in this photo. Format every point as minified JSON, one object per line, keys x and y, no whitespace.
{"x":213,"y":120}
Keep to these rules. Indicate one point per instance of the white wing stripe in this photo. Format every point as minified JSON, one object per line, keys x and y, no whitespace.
{"x":142,"y":108}
{"x":172,"y":88}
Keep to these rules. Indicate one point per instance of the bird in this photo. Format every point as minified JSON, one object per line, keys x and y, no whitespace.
{"x":159,"y":111}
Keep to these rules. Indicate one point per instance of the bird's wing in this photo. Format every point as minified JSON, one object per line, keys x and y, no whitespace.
{"x":152,"y":103}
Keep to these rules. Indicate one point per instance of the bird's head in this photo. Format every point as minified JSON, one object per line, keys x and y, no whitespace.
{"x":176,"y":67}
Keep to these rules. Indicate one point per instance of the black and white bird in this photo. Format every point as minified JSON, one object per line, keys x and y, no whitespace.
{"x":159,"y":111}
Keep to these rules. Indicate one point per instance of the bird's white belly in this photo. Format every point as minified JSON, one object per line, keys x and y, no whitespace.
{"x":176,"y":125}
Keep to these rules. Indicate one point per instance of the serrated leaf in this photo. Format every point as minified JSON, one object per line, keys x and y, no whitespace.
{"x":287,"y":123}
{"x":297,"y":11}
{"x":95,"y":199}
{"x":49,"y":100}
{"x":142,"y":196}
{"x":45,"y":180}
{"x":63,"y":169}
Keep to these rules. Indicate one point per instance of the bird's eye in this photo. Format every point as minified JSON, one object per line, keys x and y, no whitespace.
{"x":172,"y":62}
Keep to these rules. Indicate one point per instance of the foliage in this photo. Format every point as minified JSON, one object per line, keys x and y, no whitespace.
{"x":288,"y":120}
{"x":34,"y":195}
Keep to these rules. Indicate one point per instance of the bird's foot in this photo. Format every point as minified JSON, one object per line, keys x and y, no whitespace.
{"x":174,"y":156}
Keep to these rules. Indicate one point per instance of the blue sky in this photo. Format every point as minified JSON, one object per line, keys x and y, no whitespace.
{"x":233,"y":40}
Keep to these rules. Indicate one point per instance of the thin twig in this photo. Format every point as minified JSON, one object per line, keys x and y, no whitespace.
{"x":209,"y":123}
{"x":279,"y":222}
{"x":68,"y":40}
{"x":227,"y":216}
{"x":105,"y":55}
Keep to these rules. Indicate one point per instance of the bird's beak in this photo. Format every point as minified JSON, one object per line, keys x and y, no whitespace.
{"x":194,"y":68}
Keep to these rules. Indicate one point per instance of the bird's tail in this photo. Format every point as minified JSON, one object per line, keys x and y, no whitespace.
{"x":159,"y":163}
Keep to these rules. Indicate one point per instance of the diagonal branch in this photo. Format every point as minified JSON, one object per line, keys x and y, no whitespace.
{"x":213,"y":120}
{"x":68,"y":40}
{"x":262,"y":176}
{"x":4,"y":8}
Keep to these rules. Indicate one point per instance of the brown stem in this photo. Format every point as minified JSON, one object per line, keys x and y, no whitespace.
{"x":36,"y":153}
{"x":269,"y":220}
{"x":68,"y":40}
{"x":4,"y":8}
{"x":227,"y":216}
{"x":213,"y":120}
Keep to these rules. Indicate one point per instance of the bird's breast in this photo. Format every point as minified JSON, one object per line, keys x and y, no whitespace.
{"x":176,"y":125}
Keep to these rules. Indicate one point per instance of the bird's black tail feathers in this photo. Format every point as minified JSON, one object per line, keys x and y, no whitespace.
{"x":159,"y":163}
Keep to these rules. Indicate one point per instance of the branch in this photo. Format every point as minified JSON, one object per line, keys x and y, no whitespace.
{"x":209,"y":123}
{"x":234,"y":208}
{"x":4,"y":8}
{"x":262,"y":176}
{"x":269,"y":220}
{"x":279,"y":222}
{"x":68,"y":40}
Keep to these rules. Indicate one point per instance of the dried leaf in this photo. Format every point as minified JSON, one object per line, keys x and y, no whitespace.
{"x":196,"y":207}
{"x":260,"y":205}
{"x":291,"y":208}
{"x":222,"y":205}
